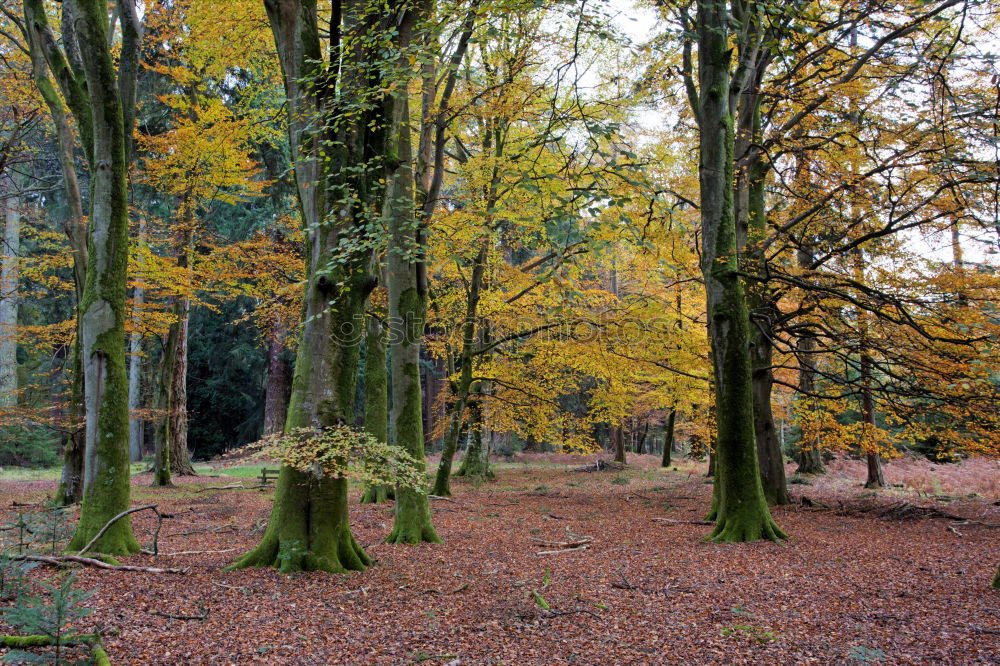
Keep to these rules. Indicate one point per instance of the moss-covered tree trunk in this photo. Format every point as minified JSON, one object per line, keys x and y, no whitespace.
{"x":376,"y":401}
{"x":407,"y":299}
{"x":618,"y":443}
{"x":335,"y":135}
{"x":106,"y":490}
{"x":741,"y":510}
{"x":476,"y":463}
{"x":668,"y":438}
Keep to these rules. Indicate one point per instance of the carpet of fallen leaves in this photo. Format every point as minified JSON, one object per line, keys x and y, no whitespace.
{"x":845,"y":589}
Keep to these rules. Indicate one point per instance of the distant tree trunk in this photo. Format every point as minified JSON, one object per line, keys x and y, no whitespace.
{"x":376,"y":401}
{"x":106,"y":489}
{"x":135,"y":423}
{"x":461,"y":386}
{"x":407,"y":301}
{"x":810,"y":460}
{"x":618,"y":442}
{"x":996,"y":579}
{"x":477,"y":454}
{"x":875,"y":477}
{"x":711,"y":464}
{"x":276,"y":389}
{"x":172,"y":456}
{"x":9,"y":277}
{"x":668,"y":438}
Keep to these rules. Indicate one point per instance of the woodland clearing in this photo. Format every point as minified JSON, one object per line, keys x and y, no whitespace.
{"x":852,"y":584}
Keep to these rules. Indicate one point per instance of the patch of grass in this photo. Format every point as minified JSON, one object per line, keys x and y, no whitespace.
{"x":757,"y":634}
{"x":799,"y":481}
{"x":620,"y":481}
{"x":244,"y":471}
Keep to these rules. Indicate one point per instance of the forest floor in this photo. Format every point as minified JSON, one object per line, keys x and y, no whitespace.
{"x":865,"y":577}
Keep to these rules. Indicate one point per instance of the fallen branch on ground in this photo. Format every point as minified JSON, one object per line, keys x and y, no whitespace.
{"x":121,"y":515}
{"x":672,"y":521}
{"x":98,"y":655}
{"x":442,"y":499}
{"x":64,"y":560}
{"x":562,"y":544}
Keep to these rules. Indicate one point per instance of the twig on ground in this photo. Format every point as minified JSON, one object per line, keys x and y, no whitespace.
{"x":180,"y":616}
{"x":562,"y":544}
{"x":235,"y":486}
{"x":563,"y":550}
{"x":624,"y":585}
{"x":190,"y":552}
{"x":213,"y":530}
{"x":672,"y":521}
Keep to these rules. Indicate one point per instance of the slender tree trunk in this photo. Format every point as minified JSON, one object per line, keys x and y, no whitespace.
{"x":135,"y":424}
{"x":668,"y":438}
{"x":276,"y":390}
{"x":810,"y":460}
{"x":44,"y":54}
{"x":407,"y":303}
{"x":106,"y":491}
{"x":741,"y":511}
{"x":874,"y":460}
{"x":9,"y":278}
{"x":996,"y":580}
{"x":462,"y":386}
{"x":376,"y":401}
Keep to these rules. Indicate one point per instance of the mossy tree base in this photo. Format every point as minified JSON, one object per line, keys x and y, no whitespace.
{"x":748,"y":525}
{"x":308,"y":529}
{"x":95,"y":512}
{"x":413,"y":519}
{"x":378,"y":495}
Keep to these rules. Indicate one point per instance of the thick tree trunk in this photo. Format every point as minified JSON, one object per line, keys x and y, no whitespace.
{"x":309,"y":528}
{"x":618,"y":443}
{"x":9,"y":278}
{"x":106,"y":490}
{"x":741,"y":511}
{"x":407,"y":304}
{"x":376,"y":401}
{"x":276,"y":390}
{"x":668,"y":439}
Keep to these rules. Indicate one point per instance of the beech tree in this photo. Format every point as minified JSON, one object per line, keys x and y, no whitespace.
{"x":739,"y":506}
{"x":336,"y":130}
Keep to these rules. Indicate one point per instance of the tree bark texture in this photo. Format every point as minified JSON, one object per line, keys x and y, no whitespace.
{"x":741,"y":511}
{"x":106,"y":490}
